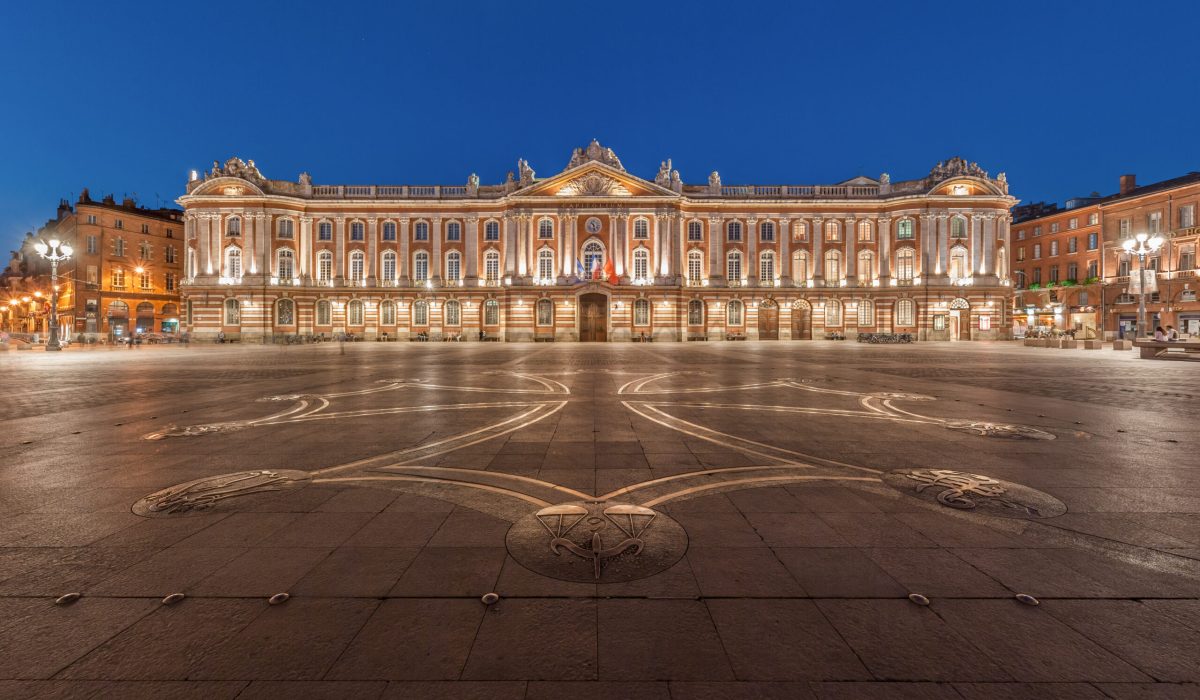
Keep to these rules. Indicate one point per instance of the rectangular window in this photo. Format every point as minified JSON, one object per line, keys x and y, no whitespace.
{"x":119,"y":247}
{"x":1187,"y":260}
{"x":491,"y":231}
{"x":1154,"y":222}
{"x":118,"y":278}
{"x":93,"y":245}
{"x":695,"y":267}
{"x":93,"y":275}
{"x":1053,"y":248}
{"x":1021,"y":235}
{"x":1020,"y":254}
{"x":734,"y":268}
{"x":695,"y":231}
{"x":389,"y":230}
{"x":1093,"y":219}
{"x":287,"y":229}
{"x":1187,"y":216}
{"x":119,"y":224}
{"x":1123,"y":268}
{"x":1037,"y":231}
{"x":939,"y":322}
{"x":454,"y":231}
{"x":1037,"y":251}
{"x":357,"y":232}
{"x":170,"y":254}
{"x":1123,"y":226}
{"x":1073,"y":271}
{"x":1072,"y":245}
{"x":421,"y":231}
{"x":1083,"y":298}
{"x":1073,"y":223}
{"x":1091,"y":269}
{"x":1093,"y":241}
{"x":1037,"y":275}
{"x":170,"y":281}
{"x":491,"y":267}
{"x":91,"y":218}
{"x":1054,"y":273}
{"x":904,"y":231}
{"x":145,"y":228}
{"x":1054,"y":227}
{"x":325,"y":231}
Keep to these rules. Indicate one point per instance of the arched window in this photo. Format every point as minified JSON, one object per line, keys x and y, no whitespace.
{"x":233,"y":226}
{"x":904,"y":230}
{"x":866,"y":265}
{"x":454,"y":266}
{"x":833,"y":313}
{"x":800,"y":267}
{"x":324,"y":266}
{"x":545,"y":264}
{"x":865,"y":233}
{"x":357,"y":231}
{"x":421,"y":231}
{"x":453,"y":313}
{"x":357,"y":265}
{"x":421,"y":266}
{"x":287,"y":229}
{"x":545,"y":312}
{"x":491,"y":313}
{"x":285,"y":264}
{"x":958,"y":262}
{"x":420,"y":312}
{"x":324,"y":313}
{"x":833,"y":265}
{"x":866,"y":313}
{"x":593,"y":257}
{"x":733,"y":313}
{"x":233,"y":312}
{"x":733,"y":266}
{"x":641,"y":312}
{"x":906,"y":264}
{"x":354,"y":313}
{"x":766,"y":231}
{"x":388,"y":267}
{"x":233,"y":263}
{"x":833,"y":232}
{"x":641,"y":229}
{"x":641,"y":265}
{"x":695,"y":266}
{"x":387,"y":313}
{"x":491,"y":231}
{"x":958,"y":227}
{"x":733,"y":230}
{"x":766,"y":267}
{"x":545,"y":228}
{"x":695,"y":231}
{"x":491,"y":265}
{"x":904,"y":313}
{"x":695,"y":313}
{"x":389,"y":230}
{"x":454,"y":231}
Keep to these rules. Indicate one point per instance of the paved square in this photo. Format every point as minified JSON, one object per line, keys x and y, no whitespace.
{"x":700,"y":520}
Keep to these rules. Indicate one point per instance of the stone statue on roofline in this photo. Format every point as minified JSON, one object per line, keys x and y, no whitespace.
{"x":526,"y":172}
{"x":472,"y":185}
{"x":663,"y":178}
{"x":676,"y":182}
{"x":714,"y":182}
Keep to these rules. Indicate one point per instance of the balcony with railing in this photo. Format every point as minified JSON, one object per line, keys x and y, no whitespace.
{"x":799,"y":191}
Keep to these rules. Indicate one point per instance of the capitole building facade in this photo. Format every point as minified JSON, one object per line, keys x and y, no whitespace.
{"x":595,"y":253}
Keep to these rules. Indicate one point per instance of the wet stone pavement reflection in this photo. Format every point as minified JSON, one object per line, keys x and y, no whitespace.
{"x":700,"y":520}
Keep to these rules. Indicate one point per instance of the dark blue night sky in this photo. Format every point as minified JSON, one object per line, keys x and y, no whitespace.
{"x":126,"y":97}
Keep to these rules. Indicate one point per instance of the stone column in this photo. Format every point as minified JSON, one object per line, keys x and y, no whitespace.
{"x":436,"y":263}
{"x":943,"y":246}
{"x":249,"y":264}
{"x":1005,"y":222}
{"x":520,"y":250}
{"x":989,"y":247}
{"x":214,"y":243}
{"x":928,"y":246}
{"x":818,"y":245}
{"x":339,"y":256}
{"x":976,"y":245}
{"x":620,"y":245}
{"x":785,"y":258}
{"x":883,"y":229}
{"x":679,"y":257}
{"x":306,"y":248}
{"x":716,"y":240}
{"x":471,"y":242}
{"x":509,"y":249}
{"x":851,"y":250}
{"x":265,"y":245}
{"x":752,"y":251}
{"x":200,"y":230}
{"x":372,"y":263}
{"x":403,"y":234}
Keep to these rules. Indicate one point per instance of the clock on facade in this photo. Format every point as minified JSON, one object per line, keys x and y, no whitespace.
{"x":593,"y":225}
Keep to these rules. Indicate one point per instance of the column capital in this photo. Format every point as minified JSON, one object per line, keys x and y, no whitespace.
{"x":472,"y":219}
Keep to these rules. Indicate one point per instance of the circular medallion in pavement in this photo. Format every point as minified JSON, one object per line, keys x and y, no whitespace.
{"x":1000,"y":430}
{"x":983,"y":494}
{"x":195,"y":497}
{"x":597,"y":541}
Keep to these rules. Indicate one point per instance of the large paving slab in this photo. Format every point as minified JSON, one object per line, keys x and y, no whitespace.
{"x":700,"y":520}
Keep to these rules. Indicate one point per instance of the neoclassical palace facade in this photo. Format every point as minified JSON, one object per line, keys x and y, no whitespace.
{"x":595,"y":253}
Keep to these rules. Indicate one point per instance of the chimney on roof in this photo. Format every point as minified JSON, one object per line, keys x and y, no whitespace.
{"x":1128,"y":183}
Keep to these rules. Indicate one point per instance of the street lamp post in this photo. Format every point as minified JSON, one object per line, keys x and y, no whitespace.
{"x":56,"y":252}
{"x":1142,"y":245}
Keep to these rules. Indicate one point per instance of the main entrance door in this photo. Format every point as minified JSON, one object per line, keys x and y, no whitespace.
{"x":593,"y":318}
{"x":801,"y":322}
{"x":768,"y":321}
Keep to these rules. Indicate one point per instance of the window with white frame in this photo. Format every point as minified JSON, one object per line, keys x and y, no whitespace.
{"x":833,"y":265}
{"x":389,"y":230}
{"x":357,"y":265}
{"x":866,"y":313}
{"x":1154,"y":222}
{"x":491,"y":231}
{"x":491,"y":266}
{"x":695,"y":266}
{"x":388,"y":267}
{"x":93,"y":244}
{"x":1053,"y":227}
{"x":800,"y":271}
{"x":144,"y":281}
{"x":420,"y":313}
{"x":799,"y":231}
{"x":545,"y":229}
{"x":324,"y":313}
{"x":833,"y":313}
{"x":452,"y":313}
{"x":766,"y":231}
{"x":641,"y":312}
{"x":733,"y":230}
{"x":833,"y":231}
{"x":324,"y":266}
{"x":866,"y":265}
{"x":118,"y":223}
{"x":958,"y":227}
{"x":1072,"y":223}
{"x":354,"y":313}
{"x":145,"y":251}
{"x":169,"y":254}
{"x":285,"y":312}
{"x":766,"y":267}
{"x":453,"y":266}
{"x":421,"y":266}
{"x":286,"y":229}
{"x":118,"y":278}
{"x":119,"y":247}
{"x":641,"y":265}
{"x":1053,"y":248}
{"x":387,"y":313}
{"x":491,"y":313}
{"x":1123,"y":226}
{"x":1187,"y":216}
{"x":904,"y":312}
{"x":233,"y":312}
{"x":545,"y":262}
{"x":169,"y":282}
{"x":695,"y":231}
{"x":641,"y":229}
{"x":233,"y":226}
{"x":1093,"y":240}
{"x":233,"y":263}
{"x":285,"y":264}
{"x":733,"y":313}
{"x":865,"y":232}
{"x":695,"y":313}
{"x":357,"y":231}
{"x":454,"y":231}
{"x":1093,"y":219}
{"x":906,"y":264}
{"x":733,"y":266}
{"x":593,"y":257}
{"x":421,"y":231}
{"x":545,"y":312}
{"x":958,"y":263}
{"x":324,"y":231}
{"x":904,"y":230}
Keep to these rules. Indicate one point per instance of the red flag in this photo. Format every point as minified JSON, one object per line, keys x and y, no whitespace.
{"x":610,"y":272}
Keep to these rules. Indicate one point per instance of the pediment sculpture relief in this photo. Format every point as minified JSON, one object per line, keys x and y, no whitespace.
{"x":594,"y":185}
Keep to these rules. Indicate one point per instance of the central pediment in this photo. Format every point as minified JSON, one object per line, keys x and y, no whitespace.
{"x":594,"y":179}
{"x":594,"y":185}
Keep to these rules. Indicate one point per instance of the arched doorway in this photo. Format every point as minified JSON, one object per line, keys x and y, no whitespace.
{"x":801,"y":320}
{"x":960,"y":319}
{"x":768,"y":320}
{"x":118,"y":318}
{"x":145,"y":318}
{"x":593,"y":318}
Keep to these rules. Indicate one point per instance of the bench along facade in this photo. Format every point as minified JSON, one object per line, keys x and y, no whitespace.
{"x":595,"y":253}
